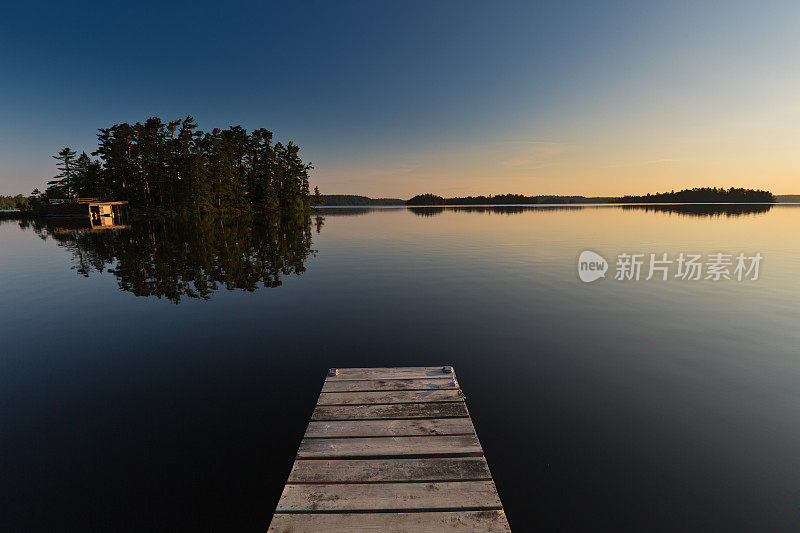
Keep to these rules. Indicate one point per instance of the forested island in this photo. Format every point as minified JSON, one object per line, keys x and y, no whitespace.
{"x":700,"y":195}
{"x":703,"y":195}
{"x":175,"y":167}
{"x":503,"y":199}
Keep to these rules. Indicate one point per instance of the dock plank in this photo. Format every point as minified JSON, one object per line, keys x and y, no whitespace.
{"x":389,"y":428}
{"x":344,"y":398}
{"x":378,"y":446}
{"x":413,"y":372}
{"x":389,"y":496}
{"x":354,"y":385}
{"x":429,"y":522}
{"x":388,"y":470}
{"x":390,"y":411}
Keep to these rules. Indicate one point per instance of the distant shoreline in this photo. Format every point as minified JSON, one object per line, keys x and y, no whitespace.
{"x":353,"y":200}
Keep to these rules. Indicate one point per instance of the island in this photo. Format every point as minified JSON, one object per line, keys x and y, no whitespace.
{"x":173,"y":167}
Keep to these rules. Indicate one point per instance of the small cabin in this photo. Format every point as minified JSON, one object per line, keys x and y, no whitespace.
{"x":97,"y":210}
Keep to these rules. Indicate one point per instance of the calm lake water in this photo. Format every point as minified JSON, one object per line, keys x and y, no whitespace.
{"x":160,"y":377}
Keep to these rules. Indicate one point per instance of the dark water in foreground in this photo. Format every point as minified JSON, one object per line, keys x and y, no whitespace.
{"x":650,"y":405}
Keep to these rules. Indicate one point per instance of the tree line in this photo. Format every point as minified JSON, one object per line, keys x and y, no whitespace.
{"x":13,"y":202}
{"x":698,"y":195}
{"x":703,"y":195}
{"x":500,"y":199}
{"x":176,"y":167}
{"x":355,"y":200}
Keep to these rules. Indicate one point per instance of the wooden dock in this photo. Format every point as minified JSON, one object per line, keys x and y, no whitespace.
{"x":390,"y":450}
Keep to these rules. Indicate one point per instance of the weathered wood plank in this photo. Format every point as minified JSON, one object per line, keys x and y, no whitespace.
{"x":411,"y":372}
{"x":388,"y":470}
{"x":404,"y":396}
{"x":378,"y":446}
{"x":390,"y":449}
{"x":389,"y":428}
{"x":353,"y":385}
{"x":389,"y":496}
{"x":429,"y":522}
{"x":397,"y":410}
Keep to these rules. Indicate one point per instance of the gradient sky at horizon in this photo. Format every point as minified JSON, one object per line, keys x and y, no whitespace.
{"x":455,"y":98}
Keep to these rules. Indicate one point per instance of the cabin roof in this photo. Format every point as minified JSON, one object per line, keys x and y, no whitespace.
{"x":85,"y":201}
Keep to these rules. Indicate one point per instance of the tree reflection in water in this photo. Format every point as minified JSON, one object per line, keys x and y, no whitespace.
{"x":188,"y":257}
{"x":192,"y":257}
{"x":702,"y":210}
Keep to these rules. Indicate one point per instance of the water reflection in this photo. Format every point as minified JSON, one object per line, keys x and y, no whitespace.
{"x":691,"y":390}
{"x":347,"y":211}
{"x":193,"y":257}
{"x":426,"y":211}
{"x":703,"y":210}
{"x":177,"y":258}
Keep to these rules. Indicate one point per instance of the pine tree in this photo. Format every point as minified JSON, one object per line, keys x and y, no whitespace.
{"x":63,"y":184}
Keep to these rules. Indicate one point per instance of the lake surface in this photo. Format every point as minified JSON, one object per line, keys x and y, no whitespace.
{"x":160,"y":376}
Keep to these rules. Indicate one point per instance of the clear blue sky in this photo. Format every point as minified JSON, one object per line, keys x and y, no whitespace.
{"x":397,"y":98}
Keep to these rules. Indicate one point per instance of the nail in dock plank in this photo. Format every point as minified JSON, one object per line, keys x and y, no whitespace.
{"x":390,"y":449}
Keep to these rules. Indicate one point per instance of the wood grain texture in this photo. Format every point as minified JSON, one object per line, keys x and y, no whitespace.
{"x":389,"y":470}
{"x":389,"y":428}
{"x":344,"y":398}
{"x":378,"y":446}
{"x":428,"y":522}
{"x":355,"y":385}
{"x":389,"y":496}
{"x":390,"y":411}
